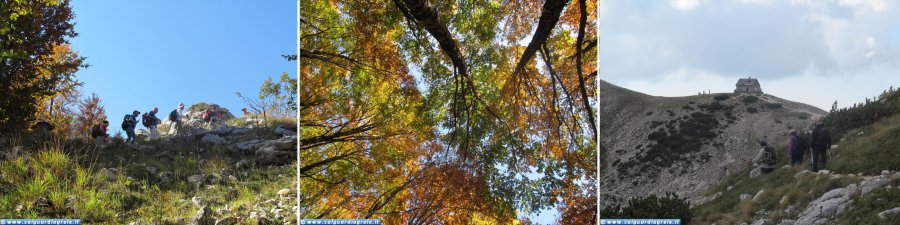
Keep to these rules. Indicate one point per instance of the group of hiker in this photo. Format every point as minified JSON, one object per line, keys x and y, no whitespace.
{"x":212,"y":116}
{"x":820,"y":142}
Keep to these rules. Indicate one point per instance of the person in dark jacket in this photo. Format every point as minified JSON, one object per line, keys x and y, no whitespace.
{"x":128,"y":124}
{"x":821,"y":142}
{"x":154,"y":121}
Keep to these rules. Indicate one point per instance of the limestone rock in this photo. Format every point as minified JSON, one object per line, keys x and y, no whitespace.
{"x":213,"y":139}
{"x":884,"y":214}
{"x":203,"y":217}
{"x":758,"y":196}
{"x":196,"y":179}
{"x":872,"y":185}
{"x":285,"y":132}
{"x":744,"y":197}
{"x":247,"y":145}
{"x":198,"y":201}
{"x":284,"y":192}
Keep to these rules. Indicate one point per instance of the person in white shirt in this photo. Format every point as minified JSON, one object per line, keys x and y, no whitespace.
{"x":176,"y":117}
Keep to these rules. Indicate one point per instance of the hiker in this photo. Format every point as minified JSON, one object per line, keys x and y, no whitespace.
{"x":821,"y":141}
{"x":175,"y":117}
{"x":98,"y":132}
{"x":128,"y":124}
{"x":249,"y":118}
{"x":766,"y":158}
{"x":151,"y":121}
{"x":796,"y":147}
{"x":211,"y":116}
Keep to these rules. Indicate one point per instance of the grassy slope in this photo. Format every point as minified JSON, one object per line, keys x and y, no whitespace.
{"x":66,"y":182}
{"x":870,"y":153}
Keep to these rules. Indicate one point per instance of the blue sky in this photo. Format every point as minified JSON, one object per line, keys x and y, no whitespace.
{"x":160,"y":53}
{"x":814,"y":52}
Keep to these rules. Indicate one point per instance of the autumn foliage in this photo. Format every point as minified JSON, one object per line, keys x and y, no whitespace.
{"x":90,"y":113}
{"x":36,"y":63}
{"x":424,"y":112}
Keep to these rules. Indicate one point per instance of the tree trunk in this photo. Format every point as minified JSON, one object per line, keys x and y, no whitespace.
{"x":549,"y":17}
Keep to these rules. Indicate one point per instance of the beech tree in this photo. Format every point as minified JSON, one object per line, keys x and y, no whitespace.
{"x":34,"y":58}
{"x":421,"y":112}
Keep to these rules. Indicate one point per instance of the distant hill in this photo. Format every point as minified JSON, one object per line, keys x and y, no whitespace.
{"x":685,"y":145}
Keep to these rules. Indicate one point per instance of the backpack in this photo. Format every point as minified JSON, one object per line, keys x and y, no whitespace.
{"x":173,"y":115}
{"x":820,"y":138}
{"x":145,"y":119}
{"x":207,"y":115}
{"x":125,"y":123}
{"x":95,"y":131}
{"x":769,"y":157}
{"x":802,"y":144}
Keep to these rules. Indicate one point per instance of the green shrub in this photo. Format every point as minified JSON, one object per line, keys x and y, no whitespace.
{"x":715,"y":106}
{"x":751,"y":110}
{"x":721,"y":97}
{"x":750,"y":99}
{"x":774,"y":105}
{"x":669,"y":206}
{"x":870,"y":153}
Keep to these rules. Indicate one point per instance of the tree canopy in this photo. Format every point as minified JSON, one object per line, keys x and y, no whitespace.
{"x":453,"y":112}
{"x":36,"y":64}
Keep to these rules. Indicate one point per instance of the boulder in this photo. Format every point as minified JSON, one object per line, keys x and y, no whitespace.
{"x":110,"y":173}
{"x":285,"y":132}
{"x":269,"y":156}
{"x":755,"y":172}
{"x":744,"y":197}
{"x":213,"y":139}
{"x":872,"y":185}
{"x":282,"y":144}
{"x":196,"y":179}
{"x":246,"y":145}
{"x":239,"y":131}
{"x":198,"y":201}
{"x":284,"y":192}
{"x":829,"y":205}
{"x":884,"y":214}
{"x":203,"y":217}
{"x":759,"y":194}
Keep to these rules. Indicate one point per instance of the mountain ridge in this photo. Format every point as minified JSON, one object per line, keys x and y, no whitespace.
{"x":686,"y":144}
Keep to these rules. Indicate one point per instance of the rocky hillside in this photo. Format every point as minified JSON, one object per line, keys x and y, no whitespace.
{"x":686,"y":145}
{"x":234,"y":174}
{"x":860,"y":186}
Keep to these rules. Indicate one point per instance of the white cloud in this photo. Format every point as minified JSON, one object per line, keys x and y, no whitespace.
{"x":871,"y":43}
{"x":874,"y":5}
{"x":684,"y":5}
